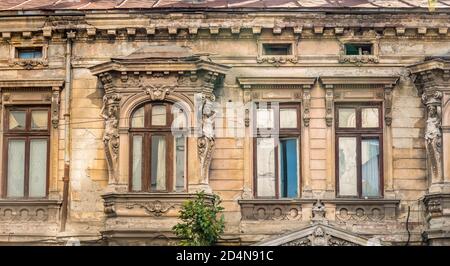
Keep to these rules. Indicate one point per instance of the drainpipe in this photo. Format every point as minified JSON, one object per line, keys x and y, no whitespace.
{"x":67,"y":98}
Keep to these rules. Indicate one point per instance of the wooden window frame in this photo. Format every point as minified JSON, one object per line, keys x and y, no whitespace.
{"x":360,"y":134}
{"x":283,"y":134}
{"x":26,"y":134}
{"x":147,"y":132}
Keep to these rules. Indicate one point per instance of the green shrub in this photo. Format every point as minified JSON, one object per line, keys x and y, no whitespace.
{"x":200,"y":225}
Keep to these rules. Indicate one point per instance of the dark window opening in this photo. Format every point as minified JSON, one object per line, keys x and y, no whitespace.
{"x":277,"y":49}
{"x":358,"y":49}
{"x":29,"y":53}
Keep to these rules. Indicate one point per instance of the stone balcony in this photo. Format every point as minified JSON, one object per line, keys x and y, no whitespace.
{"x":29,"y":220}
{"x":142,"y":216}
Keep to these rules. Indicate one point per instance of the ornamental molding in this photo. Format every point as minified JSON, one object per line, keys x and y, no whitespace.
{"x":267,"y":210}
{"x":318,"y":235}
{"x":276,"y":82}
{"x":153,"y":208}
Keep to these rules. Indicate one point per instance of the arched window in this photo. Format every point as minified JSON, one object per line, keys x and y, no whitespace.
{"x":158,"y":148}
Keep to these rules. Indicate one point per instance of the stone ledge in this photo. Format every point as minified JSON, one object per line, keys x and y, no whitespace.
{"x":37,"y":217}
{"x":363,"y":210}
{"x":273,"y":209}
{"x":138,"y":204}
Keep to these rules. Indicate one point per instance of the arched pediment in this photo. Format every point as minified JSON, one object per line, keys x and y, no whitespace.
{"x":319,"y":234}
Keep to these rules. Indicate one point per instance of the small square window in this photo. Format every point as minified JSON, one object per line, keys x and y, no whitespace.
{"x":29,"y":52}
{"x":277,"y":49}
{"x":358,"y":49}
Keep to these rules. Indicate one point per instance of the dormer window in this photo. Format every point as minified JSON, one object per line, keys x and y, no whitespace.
{"x":358,"y":49}
{"x":277,"y":48}
{"x":29,"y":52}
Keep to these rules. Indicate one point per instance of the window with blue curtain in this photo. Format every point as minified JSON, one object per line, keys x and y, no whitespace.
{"x":277,"y":167}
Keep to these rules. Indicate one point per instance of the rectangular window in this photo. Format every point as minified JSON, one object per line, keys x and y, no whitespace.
{"x":277,"y":48}
{"x":358,"y":150}
{"x":277,"y":152}
{"x":358,"y":48}
{"x":26,"y":136}
{"x":29,"y":52}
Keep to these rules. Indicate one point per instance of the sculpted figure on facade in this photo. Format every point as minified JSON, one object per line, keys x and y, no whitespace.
{"x":206,"y":141}
{"x":111,"y":115}
{"x":433,"y":134}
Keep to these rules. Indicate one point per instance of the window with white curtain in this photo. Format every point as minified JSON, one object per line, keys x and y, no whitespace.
{"x":276,"y":150}
{"x":359,"y":150}
{"x":26,"y":154}
{"x":158,"y":156}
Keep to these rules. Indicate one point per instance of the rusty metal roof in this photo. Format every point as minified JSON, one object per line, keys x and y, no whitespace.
{"x":213,"y":4}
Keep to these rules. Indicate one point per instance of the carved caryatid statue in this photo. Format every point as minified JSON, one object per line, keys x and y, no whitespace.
{"x":433,"y":134}
{"x":110,"y":113}
{"x":206,"y":141}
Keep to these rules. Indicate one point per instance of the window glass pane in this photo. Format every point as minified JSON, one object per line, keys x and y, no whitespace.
{"x":17,"y":119}
{"x":137,"y":164}
{"x":264,"y":118}
{"x":29,"y":53}
{"x":347,"y":167}
{"x":288,"y":168}
{"x":347,"y":117}
{"x":370,"y":159}
{"x":38,"y":167}
{"x":158,"y":115}
{"x":369,"y":117}
{"x":158,"y":164}
{"x":288,"y":118}
{"x":265,"y":152}
{"x":277,"y":48}
{"x":16,"y":168}
{"x":39,"y":119}
{"x":179,"y":163}
{"x":138,"y":118}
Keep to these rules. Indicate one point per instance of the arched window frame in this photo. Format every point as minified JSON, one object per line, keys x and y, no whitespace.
{"x":146,"y":133}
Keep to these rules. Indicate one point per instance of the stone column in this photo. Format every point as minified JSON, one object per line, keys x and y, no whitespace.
{"x":387,"y":149}
{"x":329,"y":114}
{"x":433,"y":83}
{"x":306,"y":173}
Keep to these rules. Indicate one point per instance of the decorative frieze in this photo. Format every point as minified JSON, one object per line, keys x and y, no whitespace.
{"x":30,"y":212}
{"x":258,"y":209}
{"x":361,"y":211}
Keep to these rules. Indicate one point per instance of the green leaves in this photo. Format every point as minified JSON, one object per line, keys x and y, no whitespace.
{"x":200,"y":225}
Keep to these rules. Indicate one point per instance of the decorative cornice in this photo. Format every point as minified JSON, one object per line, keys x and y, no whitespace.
{"x":330,"y":82}
{"x":255,"y":82}
{"x":32,"y":83}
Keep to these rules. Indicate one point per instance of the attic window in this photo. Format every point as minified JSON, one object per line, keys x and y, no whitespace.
{"x":29,"y":52}
{"x":277,"y":48}
{"x":358,"y":49}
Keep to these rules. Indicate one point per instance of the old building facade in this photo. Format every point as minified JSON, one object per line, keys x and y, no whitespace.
{"x":317,"y":122}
